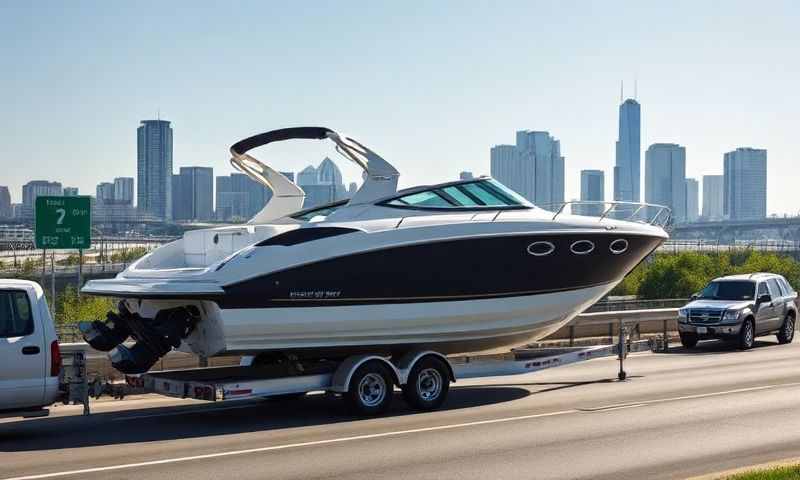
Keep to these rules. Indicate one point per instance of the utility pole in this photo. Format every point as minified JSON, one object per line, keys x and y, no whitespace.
{"x":53,"y":284}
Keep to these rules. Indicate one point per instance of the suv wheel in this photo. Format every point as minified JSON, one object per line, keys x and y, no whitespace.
{"x":786,"y":333}
{"x":688,"y":340}
{"x":747,"y":335}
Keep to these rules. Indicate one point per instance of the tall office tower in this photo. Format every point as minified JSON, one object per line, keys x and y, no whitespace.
{"x":322,"y":184}
{"x":508,"y":168}
{"x":154,"y":168}
{"x":329,"y":174}
{"x":239,"y":197}
{"x":627,"y":176}
{"x":466,"y":175}
{"x":307,"y":176}
{"x":592,"y":189}
{"x":193,"y":194}
{"x":104,"y":193}
{"x":5,"y":203}
{"x":745,"y":184}
{"x":34,"y":189}
{"x":692,"y":200}
{"x":123,"y":190}
{"x":665,"y":178}
{"x":544,"y":152}
{"x":71,"y":191}
{"x":533,"y":167}
{"x":713,"y":197}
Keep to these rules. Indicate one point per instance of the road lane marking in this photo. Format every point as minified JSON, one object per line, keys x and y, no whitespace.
{"x":289,"y":445}
{"x":389,"y":434}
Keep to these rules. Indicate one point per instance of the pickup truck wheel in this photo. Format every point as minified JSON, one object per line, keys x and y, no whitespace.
{"x":747,"y":335}
{"x":427,"y":385}
{"x":786,"y":333}
{"x":370,"y":390}
{"x":689,"y":340}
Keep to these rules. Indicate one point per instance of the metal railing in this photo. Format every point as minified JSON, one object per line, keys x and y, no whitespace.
{"x":628,"y":211}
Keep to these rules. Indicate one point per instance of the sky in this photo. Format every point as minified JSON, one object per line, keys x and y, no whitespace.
{"x":431,"y":86}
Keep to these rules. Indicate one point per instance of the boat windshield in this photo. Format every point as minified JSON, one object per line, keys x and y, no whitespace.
{"x":729,"y":290}
{"x":474,"y":194}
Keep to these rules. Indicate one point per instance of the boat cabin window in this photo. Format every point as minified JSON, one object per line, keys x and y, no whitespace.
{"x":483,"y":193}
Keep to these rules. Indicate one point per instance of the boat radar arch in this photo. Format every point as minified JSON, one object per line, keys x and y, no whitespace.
{"x":380,"y":177}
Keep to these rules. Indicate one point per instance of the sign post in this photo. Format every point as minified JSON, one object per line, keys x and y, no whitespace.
{"x":62,"y":223}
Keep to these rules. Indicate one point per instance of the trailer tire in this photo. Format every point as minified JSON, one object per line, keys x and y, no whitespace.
{"x":370,"y":390}
{"x":428,"y":384}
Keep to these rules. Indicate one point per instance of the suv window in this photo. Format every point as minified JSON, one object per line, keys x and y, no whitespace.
{"x":15,"y":314}
{"x":775,"y":289}
{"x":786,"y":287}
{"x":728,"y":290}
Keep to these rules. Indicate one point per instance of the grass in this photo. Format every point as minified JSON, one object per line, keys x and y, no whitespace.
{"x":787,"y":472}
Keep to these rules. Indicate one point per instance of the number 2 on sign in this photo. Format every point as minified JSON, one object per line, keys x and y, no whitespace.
{"x":61,"y":212}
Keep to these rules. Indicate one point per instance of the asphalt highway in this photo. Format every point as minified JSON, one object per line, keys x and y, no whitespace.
{"x":680,"y":414}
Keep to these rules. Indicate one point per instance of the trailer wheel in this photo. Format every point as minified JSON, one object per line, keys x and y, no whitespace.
{"x":428,"y":384}
{"x":370,"y":390}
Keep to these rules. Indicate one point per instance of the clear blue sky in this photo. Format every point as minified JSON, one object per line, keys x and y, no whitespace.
{"x":430,"y":85}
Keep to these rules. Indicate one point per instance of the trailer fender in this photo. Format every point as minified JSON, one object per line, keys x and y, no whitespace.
{"x":344,"y":372}
{"x":407,"y":362}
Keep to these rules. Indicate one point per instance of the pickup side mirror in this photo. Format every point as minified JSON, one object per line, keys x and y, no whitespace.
{"x":766,"y":298}
{"x":693,"y":297}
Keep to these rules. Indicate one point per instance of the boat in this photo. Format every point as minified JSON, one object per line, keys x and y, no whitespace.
{"x":464,"y":266}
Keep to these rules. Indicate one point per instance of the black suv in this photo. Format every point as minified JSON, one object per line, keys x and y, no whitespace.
{"x":739,"y":308}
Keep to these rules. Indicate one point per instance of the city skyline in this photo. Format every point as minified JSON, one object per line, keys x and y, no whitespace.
{"x":110,"y":79}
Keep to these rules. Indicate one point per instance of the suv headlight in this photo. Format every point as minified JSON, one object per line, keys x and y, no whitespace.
{"x":683,"y":313}
{"x":730,"y":316}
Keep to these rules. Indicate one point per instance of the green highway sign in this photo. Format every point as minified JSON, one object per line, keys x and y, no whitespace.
{"x":63,"y":222}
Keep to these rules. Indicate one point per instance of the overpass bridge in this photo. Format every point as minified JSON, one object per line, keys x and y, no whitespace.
{"x":729,"y":231}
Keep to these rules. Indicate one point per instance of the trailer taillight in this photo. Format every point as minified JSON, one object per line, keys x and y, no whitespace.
{"x":55,"y":359}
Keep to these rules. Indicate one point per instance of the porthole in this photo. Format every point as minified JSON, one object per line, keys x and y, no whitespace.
{"x":618,"y":246}
{"x":541,"y":248}
{"x":582,"y":247}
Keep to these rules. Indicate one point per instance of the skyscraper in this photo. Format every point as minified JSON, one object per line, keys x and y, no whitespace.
{"x":665,"y":178}
{"x":104,"y":193}
{"x":123,"y":190}
{"x":71,"y":191}
{"x":533,"y":167}
{"x":745,"y":184}
{"x":466,"y":175}
{"x":193,"y":194}
{"x":592,"y":189}
{"x":713,"y":197}
{"x":322,"y":184}
{"x":36,"y":188}
{"x":509,"y":169}
{"x":239,"y":197}
{"x":692,"y":200}
{"x":627,"y":176}
{"x":5,"y":203}
{"x":154,"y":168}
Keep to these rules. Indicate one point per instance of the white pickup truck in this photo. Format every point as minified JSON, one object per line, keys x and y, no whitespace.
{"x":30,"y":359}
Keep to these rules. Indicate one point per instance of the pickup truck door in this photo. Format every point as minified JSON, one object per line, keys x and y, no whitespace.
{"x":22,"y":351}
{"x":765,"y":311}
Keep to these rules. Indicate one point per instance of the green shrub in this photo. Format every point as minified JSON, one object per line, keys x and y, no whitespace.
{"x":71,"y":309}
{"x":129,"y":255}
{"x":679,"y":275}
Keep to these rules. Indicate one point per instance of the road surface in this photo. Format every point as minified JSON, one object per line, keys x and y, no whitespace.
{"x":680,"y":414}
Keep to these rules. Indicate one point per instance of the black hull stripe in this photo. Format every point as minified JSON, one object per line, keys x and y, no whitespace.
{"x":460,"y":269}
